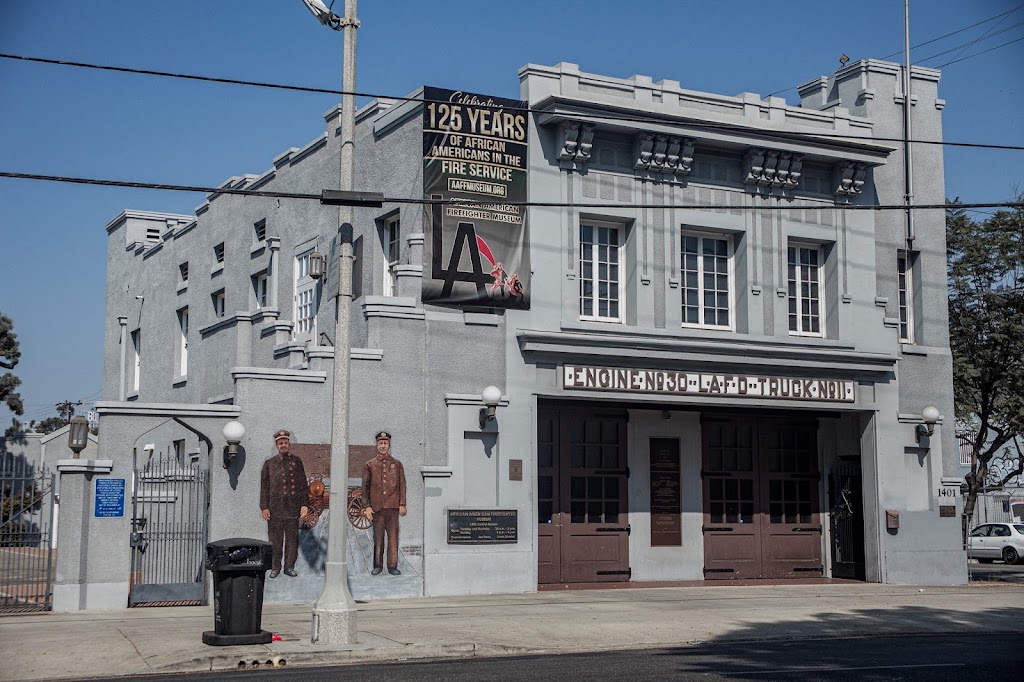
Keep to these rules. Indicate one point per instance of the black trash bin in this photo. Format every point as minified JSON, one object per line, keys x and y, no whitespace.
{"x":239,"y":566}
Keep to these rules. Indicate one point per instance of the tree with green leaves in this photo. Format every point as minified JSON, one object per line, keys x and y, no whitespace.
{"x":985,"y":272}
{"x":10,"y":353}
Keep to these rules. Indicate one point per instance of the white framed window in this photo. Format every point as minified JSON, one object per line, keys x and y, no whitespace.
{"x":804,"y":290}
{"x":218,"y":299}
{"x":179,"y":451}
{"x":259,"y":289}
{"x":307,"y":299}
{"x":600,"y":272}
{"x":136,"y":358}
{"x":391,"y":242}
{"x":706,"y":274}
{"x":183,"y":342}
{"x":904,"y":273}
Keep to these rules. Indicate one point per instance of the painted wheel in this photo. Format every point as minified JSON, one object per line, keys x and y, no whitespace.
{"x":355,"y":509}
{"x":1010,"y":555}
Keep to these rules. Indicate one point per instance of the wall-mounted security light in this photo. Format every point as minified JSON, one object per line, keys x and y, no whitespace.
{"x":78,"y":435}
{"x":233,"y":434}
{"x":930,"y":417}
{"x":491,"y":397}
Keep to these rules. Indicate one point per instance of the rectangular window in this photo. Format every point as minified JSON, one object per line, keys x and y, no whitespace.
{"x":218,"y":303}
{"x":804,"y":290}
{"x":392,"y":249}
{"x":306,"y":299}
{"x":706,"y":276}
{"x":179,"y":452}
{"x":260,"y":230}
{"x":906,"y":301}
{"x":183,"y":342}
{"x":600,"y":297}
{"x":136,"y":358}
{"x":218,"y":253}
{"x":259,"y":288}
{"x":183,"y":271}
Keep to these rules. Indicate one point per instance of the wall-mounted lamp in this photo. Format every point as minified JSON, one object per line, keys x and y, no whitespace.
{"x":930,"y":416}
{"x":491,"y":397}
{"x":233,"y":434}
{"x":317,"y":261}
{"x":78,"y":435}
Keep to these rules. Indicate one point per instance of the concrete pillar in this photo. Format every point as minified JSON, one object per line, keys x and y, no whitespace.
{"x":93,"y":554}
{"x":123,"y":321}
{"x":274,"y":245}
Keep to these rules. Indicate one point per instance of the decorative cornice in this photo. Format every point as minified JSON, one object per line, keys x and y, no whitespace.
{"x":771,"y":168}
{"x":110,"y":407}
{"x":664,"y":154}
{"x":85,"y":466}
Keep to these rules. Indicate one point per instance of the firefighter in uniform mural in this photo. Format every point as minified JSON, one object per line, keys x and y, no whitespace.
{"x":284,"y":494}
{"x":384,"y":497}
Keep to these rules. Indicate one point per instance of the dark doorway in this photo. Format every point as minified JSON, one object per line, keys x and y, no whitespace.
{"x":583,"y":525}
{"x":846,"y":506}
{"x":761,"y":510}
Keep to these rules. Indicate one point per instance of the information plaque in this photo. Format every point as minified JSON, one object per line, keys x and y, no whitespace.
{"x":109,"y":498}
{"x":666,"y":506}
{"x":483,"y":526}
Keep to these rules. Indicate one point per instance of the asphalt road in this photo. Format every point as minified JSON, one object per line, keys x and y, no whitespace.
{"x":996,"y":572}
{"x":937,"y":657}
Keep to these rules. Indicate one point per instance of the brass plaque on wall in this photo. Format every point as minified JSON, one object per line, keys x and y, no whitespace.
{"x":515,"y":470}
{"x":666,"y":505}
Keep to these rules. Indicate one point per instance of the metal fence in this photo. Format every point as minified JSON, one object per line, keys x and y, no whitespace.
{"x":168,"y":535}
{"x":27,"y":553}
{"x":1005,"y":505}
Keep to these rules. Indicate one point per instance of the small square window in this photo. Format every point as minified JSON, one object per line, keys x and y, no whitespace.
{"x":218,"y":252}
{"x":183,"y":271}
{"x":260,"y":229}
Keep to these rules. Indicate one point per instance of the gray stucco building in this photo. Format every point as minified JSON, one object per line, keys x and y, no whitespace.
{"x":721,"y":374}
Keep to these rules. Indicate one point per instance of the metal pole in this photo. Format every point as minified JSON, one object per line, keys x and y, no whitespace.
{"x":334,"y":613}
{"x":908,"y":155}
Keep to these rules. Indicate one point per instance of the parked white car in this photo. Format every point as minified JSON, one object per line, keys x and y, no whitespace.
{"x":991,"y":541}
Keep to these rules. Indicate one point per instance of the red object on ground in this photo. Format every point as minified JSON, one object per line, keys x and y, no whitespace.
{"x":275,"y":638}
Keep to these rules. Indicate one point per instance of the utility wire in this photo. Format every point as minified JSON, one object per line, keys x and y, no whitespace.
{"x":966,"y":45}
{"x":699,"y":125}
{"x":488,"y":202}
{"x":983,"y":36}
{"x":927,"y":42}
{"x":978,"y":54}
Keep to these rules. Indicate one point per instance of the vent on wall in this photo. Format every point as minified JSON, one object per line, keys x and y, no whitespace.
{"x":218,"y":252}
{"x":183,"y":269}
{"x":152,"y":234}
{"x":260,"y":228}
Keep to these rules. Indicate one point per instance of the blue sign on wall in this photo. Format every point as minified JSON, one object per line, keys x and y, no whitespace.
{"x":109,"y":497}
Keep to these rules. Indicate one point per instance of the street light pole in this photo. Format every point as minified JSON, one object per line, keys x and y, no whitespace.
{"x":334,"y":613}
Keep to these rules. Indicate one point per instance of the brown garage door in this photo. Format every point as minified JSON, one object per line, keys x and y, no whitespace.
{"x":761,"y":509}
{"x":581,"y":489}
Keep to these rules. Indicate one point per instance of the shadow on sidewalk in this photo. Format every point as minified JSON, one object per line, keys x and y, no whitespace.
{"x":820,"y":637}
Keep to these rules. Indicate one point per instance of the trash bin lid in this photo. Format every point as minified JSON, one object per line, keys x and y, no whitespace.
{"x":232,"y":543}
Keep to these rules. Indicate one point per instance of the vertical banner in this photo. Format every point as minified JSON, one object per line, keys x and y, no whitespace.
{"x":474,"y":148}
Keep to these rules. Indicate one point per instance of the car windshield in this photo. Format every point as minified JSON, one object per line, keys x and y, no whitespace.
{"x":1019,"y":527}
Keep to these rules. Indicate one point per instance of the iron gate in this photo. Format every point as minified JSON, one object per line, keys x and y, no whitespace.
{"x":168,"y":536}
{"x":26,"y":539}
{"x":845,"y":495}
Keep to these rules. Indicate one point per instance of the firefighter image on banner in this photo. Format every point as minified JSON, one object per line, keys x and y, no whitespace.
{"x":474,"y":149}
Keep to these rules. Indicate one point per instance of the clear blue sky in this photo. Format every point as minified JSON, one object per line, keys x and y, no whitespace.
{"x":64,"y":121}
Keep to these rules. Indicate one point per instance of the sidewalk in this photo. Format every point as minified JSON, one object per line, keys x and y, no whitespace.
{"x":139,"y":641}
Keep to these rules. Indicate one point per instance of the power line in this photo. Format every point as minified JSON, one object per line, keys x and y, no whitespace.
{"x":978,"y":54}
{"x":927,"y":42}
{"x":486,"y":202}
{"x":968,"y":44}
{"x":983,"y":36}
{"x":609,"y":116}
